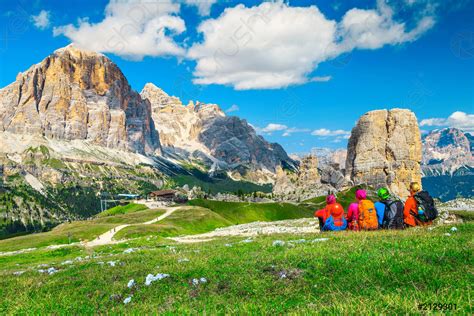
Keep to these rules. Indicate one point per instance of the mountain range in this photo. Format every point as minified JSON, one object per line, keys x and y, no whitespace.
{"x":71,"y":128}
{"x":75,"y":94}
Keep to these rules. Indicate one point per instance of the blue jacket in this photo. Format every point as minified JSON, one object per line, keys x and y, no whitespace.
{"x":380,"y":208}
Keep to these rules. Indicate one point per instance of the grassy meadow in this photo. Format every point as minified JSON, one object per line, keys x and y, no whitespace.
{"x":369,"y":272}
{"x":388,"y":272}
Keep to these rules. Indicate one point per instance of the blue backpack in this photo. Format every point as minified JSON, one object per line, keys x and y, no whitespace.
{"x":331,"y":225}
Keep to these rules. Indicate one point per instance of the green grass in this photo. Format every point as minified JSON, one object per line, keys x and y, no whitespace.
{"x":382,"y":272}
{"x":122,"y":209}
{"x":81,"y":230}
{"x":77,"y":231}
{"x":134,"y":217}
{"x":186,"y":221}
{"x":245,"y":212}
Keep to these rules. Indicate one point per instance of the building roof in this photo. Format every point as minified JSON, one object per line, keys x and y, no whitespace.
{"x":163,"y":192}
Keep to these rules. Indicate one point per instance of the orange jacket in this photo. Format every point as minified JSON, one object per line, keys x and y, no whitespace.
{"x":410,"y":206}
{"x":334,"y":209}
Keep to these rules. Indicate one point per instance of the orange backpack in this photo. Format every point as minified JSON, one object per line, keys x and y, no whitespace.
{"x":367,"y":215}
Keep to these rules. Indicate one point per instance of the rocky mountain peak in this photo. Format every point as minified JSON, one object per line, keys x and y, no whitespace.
{"x":159,"y":98}
{"x":75,"y":94}
{"x":77,"y":52}
{"x":202,"y":130}
{"x":385,"y":150}
{"x":445,"y":151}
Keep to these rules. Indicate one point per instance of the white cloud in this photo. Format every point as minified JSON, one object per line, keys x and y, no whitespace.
{"x":324,"y":132}
{"x":292,"y":130}
{"x":233,"y":108}
{"x":457,"y":119}
{"x":272,"y":127}
{"x":203,"y":6}
{"x":274,"y":45}
{"x":131,"y":29}
{"x":42,"y":20}
{"x":321,"y":79}
{"x":372,"y":29}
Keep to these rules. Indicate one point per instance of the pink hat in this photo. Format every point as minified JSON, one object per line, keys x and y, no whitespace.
{"x":361,"y":194}
{"x":330,"y":199}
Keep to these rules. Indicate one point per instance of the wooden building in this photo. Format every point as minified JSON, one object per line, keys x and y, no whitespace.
{"x":168,"y":196}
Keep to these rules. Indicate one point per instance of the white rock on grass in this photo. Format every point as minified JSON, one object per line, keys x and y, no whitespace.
{"x":228,"y":245}
{"x":131,"y":283}
{"x":67,"y":262}
{"x":127,"y":300}
{"x":129,"y":250}
{"x":299,"y":241}
{"x":246,"y":241}
{"x":112,"y":263}
{"x":18,"y":272}
{"x":199,"y":281}
{"x":454,"y":229}
{"x":49,"y":271}
{"x":278,"y":243}
{"x":151,"y":278}
{"x":183,"y":260}
{"x":52,"y":271}
{"x":319,"y":239}
{"x":447,"y":234}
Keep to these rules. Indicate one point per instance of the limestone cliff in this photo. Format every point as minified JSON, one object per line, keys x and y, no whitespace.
{"x":302,"y":184}
{"x":203,"y":132}
{"x":385,"y":150}
{"x":75,"y":94}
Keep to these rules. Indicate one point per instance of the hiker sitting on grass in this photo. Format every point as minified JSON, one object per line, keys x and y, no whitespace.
{"x":331,"y":218}
{"x":362,"y":214}
{"x":419,"y":208}
{"x":389,"y":210}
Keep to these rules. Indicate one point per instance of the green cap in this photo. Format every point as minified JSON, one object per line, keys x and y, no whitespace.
{"x":383,"y":193}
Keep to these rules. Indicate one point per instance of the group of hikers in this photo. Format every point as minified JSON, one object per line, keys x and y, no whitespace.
{"x":387,"y":213}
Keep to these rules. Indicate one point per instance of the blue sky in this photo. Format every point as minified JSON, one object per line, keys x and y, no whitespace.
{"x":300,"y":72}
